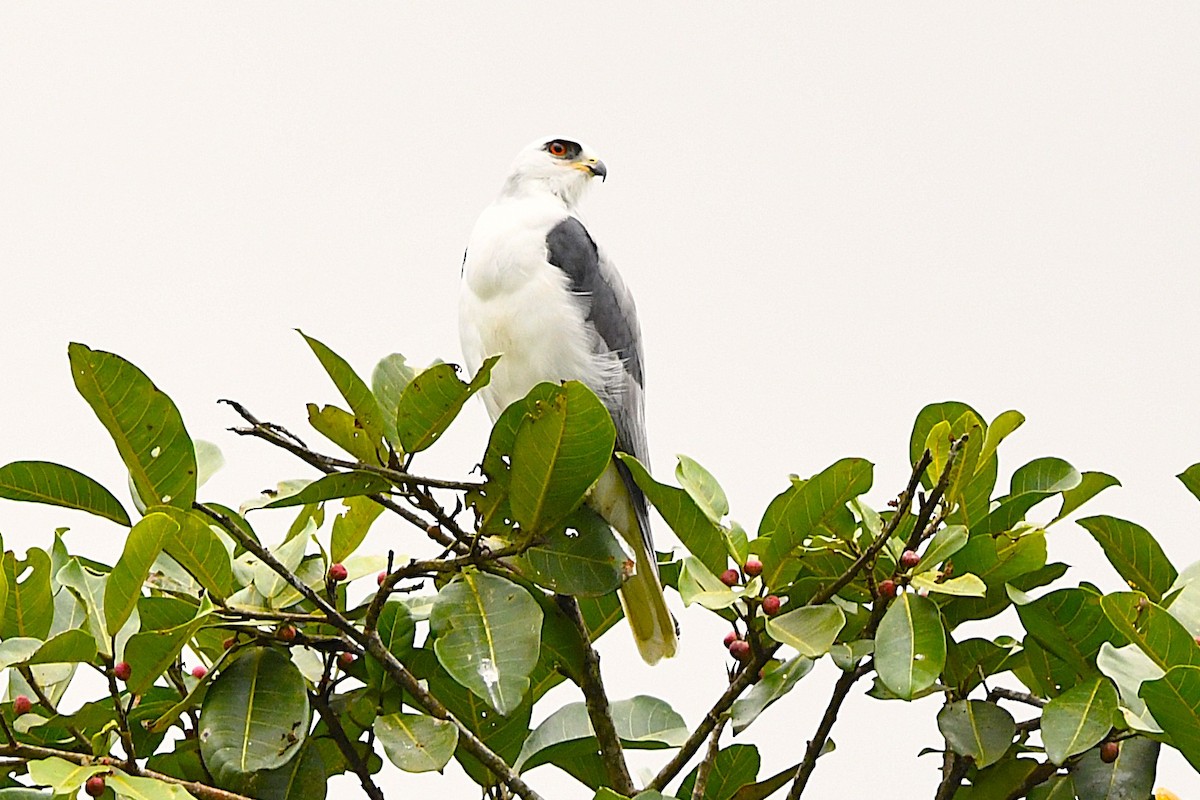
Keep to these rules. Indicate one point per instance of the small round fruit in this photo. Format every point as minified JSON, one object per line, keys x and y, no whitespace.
{"x":887,"y":588}
{"x":381,"y":577}
{"x":740,"y":650}
{"x":753,"y":567}
{"x":1109,"y":752}
{"x":338,"y":573}
{"x":909,"y":559}
{"x":346,"y":659}
{"x":199,"y":671}
{"x":771,"y":605}
{"x":22,"y":705}
{"x":94,"y":786}
{"x":122,"y":670}
{"x":730,"y":577}
{"x":287,"y":633}
{"x":730,"y":638}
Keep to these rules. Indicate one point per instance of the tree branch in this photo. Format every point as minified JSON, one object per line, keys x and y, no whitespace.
{"x":710,"y":758}
{"x":321,"y":703}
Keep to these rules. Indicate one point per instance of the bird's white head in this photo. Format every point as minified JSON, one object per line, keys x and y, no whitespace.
{"x":559,"y":166}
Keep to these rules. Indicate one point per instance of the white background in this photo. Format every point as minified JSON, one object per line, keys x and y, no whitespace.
{"x":831,"y":215}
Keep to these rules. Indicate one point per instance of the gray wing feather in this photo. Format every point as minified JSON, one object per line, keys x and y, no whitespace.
{"x":611,"y":313}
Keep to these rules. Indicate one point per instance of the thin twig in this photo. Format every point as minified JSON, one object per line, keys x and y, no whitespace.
{"x":710,"y":758}
{"x":1017,"y":697}
{"x":321,"y":703}
{"x":816,"y":744}
{"x":596,"y":701}
{"x":954,"y":770}
{"x":48,"y":704}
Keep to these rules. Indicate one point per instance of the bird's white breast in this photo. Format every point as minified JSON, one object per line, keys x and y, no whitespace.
{"x":515,"y":303}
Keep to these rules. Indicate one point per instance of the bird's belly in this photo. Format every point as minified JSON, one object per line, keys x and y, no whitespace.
{"x":538,"y":329}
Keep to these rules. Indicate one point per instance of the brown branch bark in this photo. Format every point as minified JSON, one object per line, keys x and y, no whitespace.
{"x":710,"y":758}
{"x":321,"y":703}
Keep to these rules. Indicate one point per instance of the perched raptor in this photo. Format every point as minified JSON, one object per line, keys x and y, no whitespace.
{"x":538,"y":290}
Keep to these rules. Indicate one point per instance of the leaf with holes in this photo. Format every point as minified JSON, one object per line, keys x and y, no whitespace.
{"x":432,"y":400}
{"x":488,"y":633}
{"x":144,"y":424}
{"x":416,"y":742}
{"x":583,"y":559}
{"x":56,"y":485}
{"x":388,"y":381}
{"x":255,"y":714}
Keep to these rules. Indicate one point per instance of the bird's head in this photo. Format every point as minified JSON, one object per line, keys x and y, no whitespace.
{"x":560,"y":166}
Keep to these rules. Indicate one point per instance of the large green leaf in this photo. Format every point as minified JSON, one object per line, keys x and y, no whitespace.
{"x":703,"y":488}
{"x":29,"y":610}
{"x":1134,"y":553}
{"x":488,"y":633}
{"x":978,"y":729}
{"x":811,"y":510}
{"x":56,"y":485}
{"x":343,"y":429}
{"x":773,"y":685}
{"x":397,"y":630}
{"x":61,"y":775}
{"x":734,"y":767}
{"x":144,"y":424}
{"x":1174,"y":700}
{"x":416,"y":742}
{"x":1070,"y":624}
{"x":432,"y":400}
{"x":352,"y":388}
{"x":1130,"y":777}
{"x":151,"y":651}
{"x":562,"y":446}
{"x":255,"y":714}
{"x":143,"y":544}
{"x":999,"y":429}
{"x":690,"y":522}
{"x":811,"y":630}
{"x":200,"y":552}
{"x":1031,"y":484}
{"x":972,"y":661}
{"x":303,"y":778}
{"x":388,"y":380}
{"x":351,"y":526}
{"x":1153,"y":629}
{"x":333,"y":487}
{"x":583,"y":558}
{"x":1092,"y":484}
{"x":1078,"y":718}
{"x":910,"y":646}
{"x":960,"y":415}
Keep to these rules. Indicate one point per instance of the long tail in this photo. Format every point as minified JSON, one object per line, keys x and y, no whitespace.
{"x":641,"y":595}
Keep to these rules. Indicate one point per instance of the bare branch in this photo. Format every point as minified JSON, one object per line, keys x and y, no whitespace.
{"x":321,"y":703}
{"x":710,"y":758}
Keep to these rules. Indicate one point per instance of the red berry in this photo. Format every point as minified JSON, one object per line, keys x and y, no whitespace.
{"x":287,"y":633}
{"x":730,"y":577}
{"x":94,"y":786}
{"x":122,"y":670}
{"x":1109,"y":752}
{"x":337,"y":573}
{"x":381,"y":577}
{"x":730,"y":638}
{"x":909,"y":559}
{"x":740,"y":650}
{"x":771,"y":605}
{"x":22,"y":705}
{"x":753,"y":567}
{"x":887,"y":588}
{"x":199,"y":671}
{"x":345,"y":659}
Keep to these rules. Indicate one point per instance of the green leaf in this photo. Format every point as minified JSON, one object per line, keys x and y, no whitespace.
{"x":397,"y":630}
{"x":72,"y":646}
{"x":351,"y":526}
{"x":488,"y":635}
{"x":62,"y":776}
{"x":698,"y":585}
{"x":343,"y":429}
{"x":703,"y":488}
{"x":144,"y":424}
{"x":773,"y":685}
{"x":1071,"y":624}
{"x":639,"y":721}
{"x":18,"y":650}
{"x":1153,"y":629}
{"x":56,"y":485}
{"x":910,"y":646}
{"x":333,"y":487}
{"x":352,"y":388}
{"x":388,"y":380}
{"x":811,"y":630}
{"x":734,"y":767}
{"x":1130,"y":777}
{"x":255,"y":714}
{"x":416,"y":742}
{"x":1092,"y":484}
{"x":302,"y":778}
{"x":199,"y":551}
{"x":945,"y":543}
{"x":970,"y":662}
{"x":1078,"y":719}
{"x":1174,"y":700}
{"x":1191,"y":479}
{"x":699,"y":534}
{"x":582,"y":559}
{"x":1134,"y":553}
{"x":561,"y":448}
{"x":963,"y":586}
{"x":290,"y":554}
{"x":960,"y":415}
{"x":88,"y":589}
{"x":432,"y":400}
{"x":811,"y":510}
{"x":1031,"y":484}
{"x":152,"y":651}
{"x":978,"y":729}
{"x":131,"y":787}
{"x":30,"y":607}
{"x":998,"y":431}
{"x":1128,"y":667}
{"x":142,"y":546}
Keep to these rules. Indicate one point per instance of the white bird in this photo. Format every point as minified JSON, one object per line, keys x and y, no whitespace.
{"x":537,"y":290}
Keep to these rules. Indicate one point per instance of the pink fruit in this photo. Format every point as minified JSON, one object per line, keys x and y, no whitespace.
{"x":122,"y":671}
{"x":740,"y":650}
{"x":909,"y":559}
{"x":287,"y":633}
{"x":730,"y":638}
{"x":345,"y":659}
{"x":381,"y":577}
{"x":199,"y":671}
{"x":730,"y":577}
{"x":337,"y":573}
{"x":887,"y":588}
{"x":753,"y":567}
{"x":94,"y":786}
{"x":22,"y":705}
{"x":1109,"y":752}
{"x":771,"y":605}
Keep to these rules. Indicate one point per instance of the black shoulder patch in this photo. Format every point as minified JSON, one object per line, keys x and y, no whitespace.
{"x":610,"y":307}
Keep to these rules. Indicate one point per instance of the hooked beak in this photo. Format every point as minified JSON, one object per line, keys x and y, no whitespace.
{"x":597,"y":168}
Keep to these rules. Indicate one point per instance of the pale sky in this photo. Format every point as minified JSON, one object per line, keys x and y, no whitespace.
{"x":830,"y":216}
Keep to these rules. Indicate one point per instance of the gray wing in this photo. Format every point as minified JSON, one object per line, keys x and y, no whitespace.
{"x":610,"y":311}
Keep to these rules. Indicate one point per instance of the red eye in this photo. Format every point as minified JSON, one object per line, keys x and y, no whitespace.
{"x":557,"y":149}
